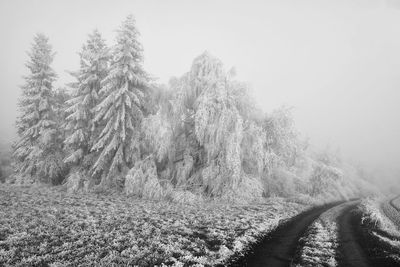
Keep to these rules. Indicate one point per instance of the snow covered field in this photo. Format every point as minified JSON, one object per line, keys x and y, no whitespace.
{"x":41,"y":226}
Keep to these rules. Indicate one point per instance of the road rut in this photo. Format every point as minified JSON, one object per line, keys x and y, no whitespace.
{"x":279,"y":247}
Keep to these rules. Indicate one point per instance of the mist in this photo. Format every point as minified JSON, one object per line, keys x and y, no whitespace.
{"x":337,"y":63}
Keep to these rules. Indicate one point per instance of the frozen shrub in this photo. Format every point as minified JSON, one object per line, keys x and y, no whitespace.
{"x":142,"y":180}
{"x":248,"y":189}
{"x":183,"y":169}
{"x":304,"y":199}
{"x":281,"y":182}
{"x":20,"y":179}
{"x":75,"y":181}
{"x":183,"y":196}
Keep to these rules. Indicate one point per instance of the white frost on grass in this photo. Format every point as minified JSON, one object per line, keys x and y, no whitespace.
{"x":383,"y":216}
{"x":114,"y":230}
{"x":393,"y":243}
{"x":320,"y":245}
{"x":378,"y":211}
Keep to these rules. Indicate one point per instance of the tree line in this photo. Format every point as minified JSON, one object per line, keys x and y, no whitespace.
{"x":200,"y":136}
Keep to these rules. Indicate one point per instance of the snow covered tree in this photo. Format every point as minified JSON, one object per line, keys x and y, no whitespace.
{"x":202,"y":139}
{"x":121,"y":110}
{"x":218,"y":127}
{"x":61,"y":96}
{"x":208,"y":138}
{"x":254,"y":149}
{"x":38,"y":151}
{"x":282,"y":137}
{"x":327,"y":176}
{"x":81,"y":128}
{"x":286,"y":165}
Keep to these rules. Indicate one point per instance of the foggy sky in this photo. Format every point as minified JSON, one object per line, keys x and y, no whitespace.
{"x":336,"y":62}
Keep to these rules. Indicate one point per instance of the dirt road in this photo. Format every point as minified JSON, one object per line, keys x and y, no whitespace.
{"x":279,"y":247}
{"x":351,"y":250}
{"x":356,"y":247}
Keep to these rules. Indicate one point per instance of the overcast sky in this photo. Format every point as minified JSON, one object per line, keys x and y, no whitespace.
{"x":336,"y":62}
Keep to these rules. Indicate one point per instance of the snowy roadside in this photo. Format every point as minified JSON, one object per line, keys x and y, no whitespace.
{"x":391,"y":208}
{"x":319,"y":245}
{"x":396,"y":202}
{"x":44,"y":226}
{"x":379,"y":212}
{"x":383,"y":231}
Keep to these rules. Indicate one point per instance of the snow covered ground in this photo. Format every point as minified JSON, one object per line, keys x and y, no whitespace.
{"x":376,"y":213}
{"x":396,"y":202}
{"x":391,"y":209}
{"x":43,"y":226}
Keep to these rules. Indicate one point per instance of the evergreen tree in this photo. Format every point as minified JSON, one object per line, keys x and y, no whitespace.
{"x":80,"y":119}
{"x":121,"y":110}
{"x":38,"y":152}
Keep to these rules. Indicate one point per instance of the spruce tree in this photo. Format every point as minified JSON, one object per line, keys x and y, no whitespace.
{"x":80,"y":120}
{"x":38,"y":152}
{"x":121,"y":110}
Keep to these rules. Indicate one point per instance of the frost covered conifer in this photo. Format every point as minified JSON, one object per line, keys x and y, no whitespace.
{"x":38,"y":150}
{"x":121,"y":110}
{"x":80,"y":120}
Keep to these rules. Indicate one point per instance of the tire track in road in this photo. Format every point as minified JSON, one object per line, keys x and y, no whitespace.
{"x":318,"y":247}
{"x":355,"y":247}
{"x":279,"y":247}
{"x":351,"y":251}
